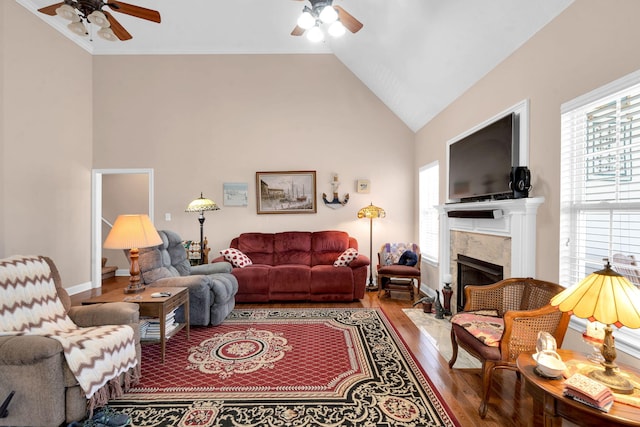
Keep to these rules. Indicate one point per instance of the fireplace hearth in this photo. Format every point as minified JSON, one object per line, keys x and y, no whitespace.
{"x":473,"y":271}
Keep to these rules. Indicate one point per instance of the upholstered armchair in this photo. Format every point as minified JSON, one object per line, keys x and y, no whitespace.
{"x":34,"y":366}
{"x":398,"y":267}
{"x":212,"y":287}
{"x":502,"y":320}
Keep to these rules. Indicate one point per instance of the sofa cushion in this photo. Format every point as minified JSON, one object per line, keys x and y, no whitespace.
{"x":327,"y":279}
{"x":152,"y":267}
{"x":345,"y":258}
{"x":293,"y":247}
{"x":236,"y":257}
{"x":257,"y":246}
{"x":326,"y":246}
{"x":253,"y":283}
{"x":289,"y":279}
{"x":398,"y":270}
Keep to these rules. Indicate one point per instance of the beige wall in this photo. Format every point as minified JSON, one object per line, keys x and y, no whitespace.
{"x":200,"y":121}
{"x":579,"y":51}
{"x":584,"y":48}
{"x":126,"y":193}
{"x":47,"y":144}
{"x":3,"y":38}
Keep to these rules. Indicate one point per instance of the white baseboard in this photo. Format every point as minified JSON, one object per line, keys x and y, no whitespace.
{"x":79,"y":288}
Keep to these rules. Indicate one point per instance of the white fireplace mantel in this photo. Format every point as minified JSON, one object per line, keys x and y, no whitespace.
{"x":512,"y":218}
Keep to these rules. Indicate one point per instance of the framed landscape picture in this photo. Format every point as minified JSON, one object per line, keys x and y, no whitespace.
{"x":235,"y":193}
{"x":286,"y":192}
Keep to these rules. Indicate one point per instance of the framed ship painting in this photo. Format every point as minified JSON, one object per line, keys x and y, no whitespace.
{"x":286,"y":192}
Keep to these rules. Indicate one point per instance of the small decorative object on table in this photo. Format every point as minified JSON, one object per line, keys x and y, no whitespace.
{"x":588,"y":391}
{"x":549,"y":364}
{"x":594,"y":337}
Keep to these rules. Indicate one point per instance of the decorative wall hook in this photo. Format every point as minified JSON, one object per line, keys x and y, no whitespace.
{"x":335,"y":203}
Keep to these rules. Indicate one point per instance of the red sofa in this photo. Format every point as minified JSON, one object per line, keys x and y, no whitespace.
{"x":298,"y":266}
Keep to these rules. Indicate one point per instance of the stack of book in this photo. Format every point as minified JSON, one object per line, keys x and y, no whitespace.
{"x":588,"y":391}
{"x":150,"y":327}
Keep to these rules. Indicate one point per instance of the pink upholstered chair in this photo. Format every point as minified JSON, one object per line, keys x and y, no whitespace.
{"x":393,"y":274}
{"x":502,"y":320}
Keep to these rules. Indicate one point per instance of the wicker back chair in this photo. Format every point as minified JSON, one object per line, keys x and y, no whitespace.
{"x":522,"y":306}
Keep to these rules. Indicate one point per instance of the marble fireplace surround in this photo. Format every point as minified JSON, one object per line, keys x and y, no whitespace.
{"x":501,"y":232}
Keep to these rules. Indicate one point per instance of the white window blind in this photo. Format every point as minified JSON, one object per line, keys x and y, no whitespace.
{"x":600,"y":184}
{"x":429,"y":185}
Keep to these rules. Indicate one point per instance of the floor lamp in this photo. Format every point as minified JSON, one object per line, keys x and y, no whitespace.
{"x":202,"y":204}
{"x":133,"y":232}
{"x":371,"y":212}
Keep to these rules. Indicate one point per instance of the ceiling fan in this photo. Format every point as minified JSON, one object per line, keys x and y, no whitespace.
{"x":324,"y":12}
{"x":92,"y":11}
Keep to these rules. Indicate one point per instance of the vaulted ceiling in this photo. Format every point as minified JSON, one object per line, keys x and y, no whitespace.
{"x":417,"y":56}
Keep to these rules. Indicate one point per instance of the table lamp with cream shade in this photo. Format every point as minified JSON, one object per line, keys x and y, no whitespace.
{"x":609,"y":298}
{"x":133,"y":232}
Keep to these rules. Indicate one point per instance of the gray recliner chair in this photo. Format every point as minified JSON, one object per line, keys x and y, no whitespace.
{"x":212,"y":287}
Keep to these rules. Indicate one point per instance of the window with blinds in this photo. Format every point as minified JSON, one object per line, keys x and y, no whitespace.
{"x":600,"y":182}
{"x":429,"y":185}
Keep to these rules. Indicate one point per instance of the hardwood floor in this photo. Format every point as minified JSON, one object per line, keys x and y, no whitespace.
{"x":510,"y":404}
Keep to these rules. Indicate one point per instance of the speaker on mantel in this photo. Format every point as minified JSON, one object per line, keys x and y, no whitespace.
{"x":520,"y":182}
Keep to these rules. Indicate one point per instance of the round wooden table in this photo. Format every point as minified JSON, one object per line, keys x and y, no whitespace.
{"x":549,"y":402}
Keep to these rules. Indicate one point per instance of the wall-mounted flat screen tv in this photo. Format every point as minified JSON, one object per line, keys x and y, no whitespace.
{"x":480,"y":163}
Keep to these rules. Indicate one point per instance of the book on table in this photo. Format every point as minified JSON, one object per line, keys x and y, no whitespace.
{"x":150,"y":327}
{"x":589,"y":391}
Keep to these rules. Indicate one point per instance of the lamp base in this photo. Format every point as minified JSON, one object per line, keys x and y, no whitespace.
{"x":133,"y":289}
{"x":615,"y":382}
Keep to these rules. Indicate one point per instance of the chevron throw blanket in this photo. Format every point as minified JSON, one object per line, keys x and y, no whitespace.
{"x":29,"y":305}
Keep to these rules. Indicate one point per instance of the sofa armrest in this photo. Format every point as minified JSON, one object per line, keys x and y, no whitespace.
{"x":113,"y":313}
{"x":27,"y":349}
{"x":199,"y":288}
{"x":213,"y":268}
{"x":192,"y":282}
{"x":360,"y":261}
{"x":218,"y":259}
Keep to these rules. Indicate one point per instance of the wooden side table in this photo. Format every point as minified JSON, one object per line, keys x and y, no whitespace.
{"x":153,"y":307}
{"x":549,"y":401}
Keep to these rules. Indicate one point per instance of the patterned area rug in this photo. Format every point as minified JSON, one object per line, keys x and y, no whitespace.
{"x":293,"y":367}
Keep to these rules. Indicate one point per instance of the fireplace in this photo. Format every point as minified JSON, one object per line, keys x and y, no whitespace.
{"x":473,"y":271}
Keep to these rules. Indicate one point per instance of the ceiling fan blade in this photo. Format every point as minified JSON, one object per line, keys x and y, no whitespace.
{"x":50,"y":10}
{"x":351,"y":23}
{"x":117,"y":28}
{"x":297,"y":31}
{"x":137,"y":11}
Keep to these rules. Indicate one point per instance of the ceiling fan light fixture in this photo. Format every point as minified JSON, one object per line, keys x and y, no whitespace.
{"x":78,"y":28}
{"x":315,"y":34}
{"x":336,"y":29}
{"x":107,"y":34}
{"x":328,"y":15}
{"x":67,"y":12}
{"x":98,"y":18}
{"x":306,"y":20}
